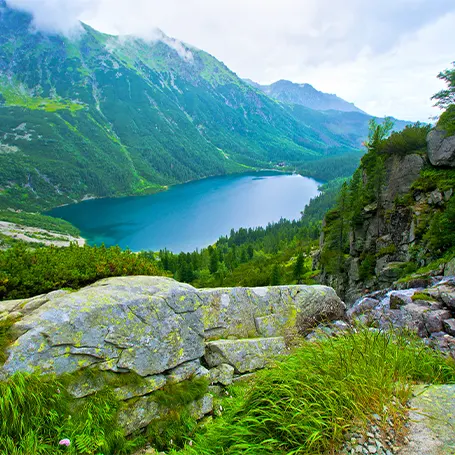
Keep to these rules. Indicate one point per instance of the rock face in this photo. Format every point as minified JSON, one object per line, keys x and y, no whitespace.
{"x":156,"y":331}
{"x":388,"y":232}
{"x":441,"y":149}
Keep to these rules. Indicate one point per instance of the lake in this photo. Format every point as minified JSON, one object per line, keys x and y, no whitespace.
{"x":192,"y":215}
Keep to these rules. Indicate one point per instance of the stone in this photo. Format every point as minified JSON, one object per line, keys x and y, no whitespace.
{"x":184,"y":371}
{"x":449,"y":326}
{"x":397,"y":300}
{"x":436,"y":198}
{"x":448,"y":194}
{"x":434,"y":321}
{"x":441,"y":149}
{"x":267,"y":312}
{"x":202,"y":407}
{"x":222,"y":374}
{"x":449,"y":268}
{"x":137,"y":324}
{"x":432,"y":422}
{"x":363,"y":305}
{"x":245,"y":355}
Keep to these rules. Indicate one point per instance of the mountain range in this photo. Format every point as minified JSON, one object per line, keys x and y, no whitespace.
{"x":106,"y":116}
{"x":305,"y":95}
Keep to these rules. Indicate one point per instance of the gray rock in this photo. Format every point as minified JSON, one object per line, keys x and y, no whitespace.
{"x":449,"y":326}
{"x":267,"y":312}
{"x":184,"y":371}
{"x":119,"y":324}
{"x":398,"y":299}
{"x":244,"y":355}
{"x":202,"y":407}
{"x":449,"y":268}
{"x":434,"y":320}
{"x":363,"y":305}
{"x":441,"y":149}
{"x":222,"y":374}
{"x":432,"y":424}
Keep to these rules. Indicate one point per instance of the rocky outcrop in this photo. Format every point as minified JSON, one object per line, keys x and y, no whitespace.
{"x":137,"y":334}
{"x":388,"y":233}
{"x":428,"y":311}
{"x":441,"y":148}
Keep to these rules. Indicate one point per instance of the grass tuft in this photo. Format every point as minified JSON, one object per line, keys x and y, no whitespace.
{"x":306,"y":403}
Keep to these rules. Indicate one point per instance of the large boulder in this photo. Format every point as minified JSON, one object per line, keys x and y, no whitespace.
{"x":441,"y":149}
{"x":138,"y":335}
{"x":144,"y":325}
{"x":244,"y":355}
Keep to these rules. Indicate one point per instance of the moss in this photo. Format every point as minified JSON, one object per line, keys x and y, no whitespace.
{"x":183,"y":393}
{"x":6,"y":338}
{"x":423,"y":296}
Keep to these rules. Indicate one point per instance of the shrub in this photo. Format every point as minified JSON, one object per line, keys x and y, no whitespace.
{"x":25,"y":272}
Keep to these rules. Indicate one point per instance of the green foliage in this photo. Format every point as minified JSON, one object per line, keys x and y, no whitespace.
{"x":178,"y":424}
{"x":423,"y":296}
{"x":37,"y":413}
{"x":413,"y":139}
{"x":447,"y":120}
{"x":306,"y":403}
{"x":40,"y":221}
{"x":26,"y":272}
{"x":441,"y":235}
{"x":446,"y":97}
{"x":367,"y":266}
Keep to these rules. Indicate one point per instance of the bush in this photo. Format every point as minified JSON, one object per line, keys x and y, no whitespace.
{"x":411,"y":140}
{"x":26,"y":272}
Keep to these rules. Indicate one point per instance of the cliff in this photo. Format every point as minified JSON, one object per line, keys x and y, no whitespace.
{"x":394,"y":217}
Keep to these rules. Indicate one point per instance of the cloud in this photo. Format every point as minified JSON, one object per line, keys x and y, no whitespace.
{"x":55,"y":16}
{"x":381,"y":54}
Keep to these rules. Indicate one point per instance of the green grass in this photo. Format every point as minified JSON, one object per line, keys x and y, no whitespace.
{"x":37,"y":413}
{"x":5,"y":338}
{"x":306,"y":403}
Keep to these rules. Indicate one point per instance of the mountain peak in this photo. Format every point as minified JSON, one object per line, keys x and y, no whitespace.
{"x":306,"y":95}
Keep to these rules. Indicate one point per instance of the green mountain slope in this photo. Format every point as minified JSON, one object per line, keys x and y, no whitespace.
{"x":108,"y":116}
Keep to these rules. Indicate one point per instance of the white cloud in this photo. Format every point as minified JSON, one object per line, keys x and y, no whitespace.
{"x":381,"y":54}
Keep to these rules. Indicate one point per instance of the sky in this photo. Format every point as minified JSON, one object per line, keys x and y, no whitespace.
{"x":383,"y":55}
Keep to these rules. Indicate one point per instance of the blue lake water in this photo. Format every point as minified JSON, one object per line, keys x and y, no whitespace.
{"x":192,"y":215}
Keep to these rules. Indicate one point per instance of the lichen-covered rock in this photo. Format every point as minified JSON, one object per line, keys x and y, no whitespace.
{"x":441,"y":149}
{"x":145,"y":325}
{"x":222,"y":374}
{"x":244,"y":355}
{"x":135,"y":335}
{"x":267,"y":312}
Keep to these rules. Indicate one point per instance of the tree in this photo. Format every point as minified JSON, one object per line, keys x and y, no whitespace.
{"x":275,"y":276}
{"x":446,"y":97}
{"x":298,"y":267}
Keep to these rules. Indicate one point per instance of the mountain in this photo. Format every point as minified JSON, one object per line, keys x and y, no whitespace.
{"x":305,"y":95}
{"x":102,"y":116}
